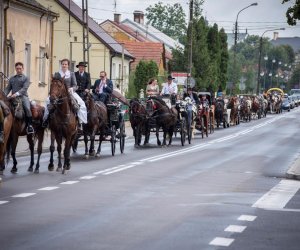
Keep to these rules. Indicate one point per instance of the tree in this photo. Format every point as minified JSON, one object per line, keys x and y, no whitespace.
{"x":169,"y":19}
{"x":293,"y":13}
{"x":198,"y":8}
{"x":178,"y":62}
{"x":295,"y":78}
{"x":224,"y":58}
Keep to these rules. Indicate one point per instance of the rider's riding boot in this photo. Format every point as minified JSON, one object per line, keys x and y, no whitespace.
{"x":29,"y":129}
{"x":1,"y":132}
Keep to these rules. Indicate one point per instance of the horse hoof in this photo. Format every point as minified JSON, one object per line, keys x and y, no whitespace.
{"x":50,"y":167}
{"x":36,"y":171}
{"x":58,"y":169}
{"x":86,"y":157}
{"x":63,"y":171}
{"x":97,"y":155}
{"x":30,"y":169}
{"x":14,"y":170}
{"x":92,"y":153}
{"x":68,"y":167}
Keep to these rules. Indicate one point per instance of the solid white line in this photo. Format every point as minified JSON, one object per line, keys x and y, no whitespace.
{"x":48,"y":188}
{"x":223,"y":242}
{"x":107,"y":170}
{"x":120,"y":169}
{"x":23,"y":195}
{"x":247,"y":218}
{"x":279,"y":195}
{"x":69,"y":182}
{"x":87,"y":177}
{"x":3,"y":202}
{"x":235,"y":229}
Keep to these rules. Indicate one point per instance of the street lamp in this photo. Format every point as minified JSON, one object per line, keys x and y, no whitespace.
{"x":273,"y":61}
{"x":235,"y":32}
{"x":259,"y":60}
{"x":266,"y":59}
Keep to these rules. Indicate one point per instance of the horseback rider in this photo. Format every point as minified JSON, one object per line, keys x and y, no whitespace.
{"x":18,"y":86}
{"x":83,"y":79}
{"x":70,"y":82}
{"x":102,"y":88}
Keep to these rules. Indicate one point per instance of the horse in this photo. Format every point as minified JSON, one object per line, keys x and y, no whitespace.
{"x":62,"y":123}
{"x":234,"y":115}
{"x":19,"y":129}
{"x":165,"y":117}
{"x":219,"y":104}
{"x":7,"y":125}
{"x":97,"y":121}
{"x":138,"y":120}
{"x":245,"y":109}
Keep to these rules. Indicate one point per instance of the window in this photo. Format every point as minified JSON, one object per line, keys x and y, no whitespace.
{"x":42,"y":66}
{"x":120,"y":71}
{"x":27,"y":60}
{"x":113,"y":71}
{"x":75,"y":38}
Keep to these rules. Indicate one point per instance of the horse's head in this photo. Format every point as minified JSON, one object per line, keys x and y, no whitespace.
{"x":134,"y":105}
{"x":88,"y":100}
{"x":58,"y":90}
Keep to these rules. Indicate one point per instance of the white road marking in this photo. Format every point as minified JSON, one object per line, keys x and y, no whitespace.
{"x":87,"y":177}
{"x":48,"y":188}
{"x":247,"y":218}
{"x":235,"y":229}
{"x":108,"y":170}
{"x":223,"y":242}
{"x":279,"y":195}
{"x":69,"y":182}
{"x":23,"y":195}
{"x":3,"y":202}
{"x":120,"y":169}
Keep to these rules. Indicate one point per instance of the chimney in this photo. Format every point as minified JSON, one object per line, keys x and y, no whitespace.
{"x":275,"y":36}
{"x":117,"y":18}
{"x":138,"y":16}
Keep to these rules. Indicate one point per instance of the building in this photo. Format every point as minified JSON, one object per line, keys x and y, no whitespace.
{"x":105,"y":53}
{"x":26,"y":36}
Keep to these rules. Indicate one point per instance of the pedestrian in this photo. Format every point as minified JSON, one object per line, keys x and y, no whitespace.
{"x":102,"y":88}
{"x":83,"y":79}
{"x":70,"y":82}
{"x":18,"y":86}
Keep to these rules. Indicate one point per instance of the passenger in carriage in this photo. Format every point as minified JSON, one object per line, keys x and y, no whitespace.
{"x":70,"y":82}
{"x":83,"y":79}
{"x":18,"y":86}
{"x":152,"y":88}
{"x":192,"y":95}
{"x":203,"y":101}
{"x":102,"y":88}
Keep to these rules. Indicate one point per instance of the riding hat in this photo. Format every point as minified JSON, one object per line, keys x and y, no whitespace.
{"x":81,"y":64}
{"x":170,"y":77}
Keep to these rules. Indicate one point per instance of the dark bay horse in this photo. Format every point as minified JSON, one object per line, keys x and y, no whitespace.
{"x":7,"y":124}
{"x":19,"y":129}
{"x":138,"y":121}
{"x":62,"y":123}
{"x":219,"y":104}
{"x":97,"y":121}
{"x":233,"y":105}
{"x":166,"y":118}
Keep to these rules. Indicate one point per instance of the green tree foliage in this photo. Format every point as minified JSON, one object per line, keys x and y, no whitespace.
{"x":224,"y":58}
{"x":198,"y":8}
{"x":169,"y":19}
{"x":293,"y":13}
{"x":178,"y":62}
{"x":143,"y":72}
{"x":295,"y":79}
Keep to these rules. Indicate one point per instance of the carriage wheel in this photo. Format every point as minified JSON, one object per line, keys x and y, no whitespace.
{"x":113,"y":140}
{"x":183,"y":127}
{"x":122,"y":136}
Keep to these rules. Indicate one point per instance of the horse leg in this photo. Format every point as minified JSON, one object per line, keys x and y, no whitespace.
{"x":157,"y":136}
{"x":59,"y":166}
{"x":52,"y":148}
{"x":171,"y":131}
{"x":165,"y":137}
{"x":30,"y":141}
{"x":92,"y":146}
{"x":39,"y":150}
{"x":86,"y":140}
{"x":67,"y":149}
{"x":99,"y":146}
{"x":13,"y":154}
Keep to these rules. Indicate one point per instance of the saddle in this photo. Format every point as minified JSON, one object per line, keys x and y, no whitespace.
{"x":18,"y":108}
{"x":75,"y":105}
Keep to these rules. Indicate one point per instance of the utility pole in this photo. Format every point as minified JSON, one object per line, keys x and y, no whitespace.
{"x":190,"y":56}
{"x":85,"y":33}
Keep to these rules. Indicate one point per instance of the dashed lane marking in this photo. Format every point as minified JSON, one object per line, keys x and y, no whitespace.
{"x":48,"y":188}
{"x":247,"y":218}
{"x":23,"y":195}
{"x":69,"y":182}
{"x":279,"y":195}
{"x":3,"y":202}
{"x":223,"y":242}
{"x":235,"y":229}
{"x":87,"y":177}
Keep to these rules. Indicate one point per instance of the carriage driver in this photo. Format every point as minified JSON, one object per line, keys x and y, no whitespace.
{"x":70,"y":82}
{"x":18,"y":85}
{"x":169,"y":87}
{"x":83,"y":79}
{"x":102,"y":88}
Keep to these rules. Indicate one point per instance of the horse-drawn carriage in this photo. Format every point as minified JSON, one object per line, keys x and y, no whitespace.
{"x":275,"y":96}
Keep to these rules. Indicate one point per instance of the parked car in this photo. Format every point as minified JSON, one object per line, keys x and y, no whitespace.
{"x":286,"y":105}
{"x":292,"y":101}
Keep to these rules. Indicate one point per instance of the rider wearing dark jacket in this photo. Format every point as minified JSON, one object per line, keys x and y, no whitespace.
{"x":102,"y":88}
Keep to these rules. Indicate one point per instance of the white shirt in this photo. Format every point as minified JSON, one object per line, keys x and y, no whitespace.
{"x":169,"y":89}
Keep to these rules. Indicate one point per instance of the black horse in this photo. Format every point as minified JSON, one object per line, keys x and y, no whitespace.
{"x":219,"y":112}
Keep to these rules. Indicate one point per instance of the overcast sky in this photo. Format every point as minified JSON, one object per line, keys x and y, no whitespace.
{"x":268,"y":14}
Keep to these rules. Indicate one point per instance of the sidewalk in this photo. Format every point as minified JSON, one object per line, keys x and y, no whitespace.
{"x":23,"y":147}
{"x":294,"y":170}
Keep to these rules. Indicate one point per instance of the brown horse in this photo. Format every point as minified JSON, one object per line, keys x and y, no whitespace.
{"x":234,"y":115}
{"x":97,"y":121}
{"x":7,"y":124}
{"x":138,"y":121}
{"x":62,"y":123}
{"x":19,"y":129}
{"x":166,"y":118}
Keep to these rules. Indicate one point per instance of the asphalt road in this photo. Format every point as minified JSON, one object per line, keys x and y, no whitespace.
{"x":227,"y":191}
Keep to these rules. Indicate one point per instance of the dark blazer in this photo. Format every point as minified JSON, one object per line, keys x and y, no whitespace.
{"x":18,"y":83}
{"x":196,"y":98}
{"x":108,"y":89}
{"x":83,"y":82}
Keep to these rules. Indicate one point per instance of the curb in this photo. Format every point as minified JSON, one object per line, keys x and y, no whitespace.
{"x":294,"y":171}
